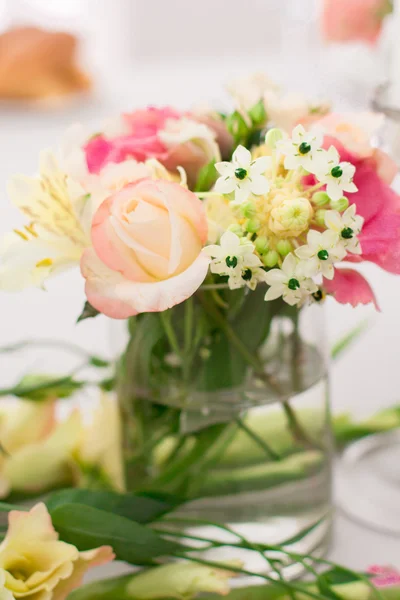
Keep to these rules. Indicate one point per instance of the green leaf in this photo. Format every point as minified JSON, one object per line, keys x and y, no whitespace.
{"x":257,"y":114}
{"x":206,"y":178}
{"x":237,"y":127}
{"x":226,"y":367}
{"x":341,"y":345}
{"x":141,"y":509}
{"x":87,"y":527}
{"x":42,"y":387}
{"x":96,"y":361}
{"x":88,"y":312}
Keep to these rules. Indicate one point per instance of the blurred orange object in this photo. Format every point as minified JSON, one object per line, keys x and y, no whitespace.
{"x":36,"y":64}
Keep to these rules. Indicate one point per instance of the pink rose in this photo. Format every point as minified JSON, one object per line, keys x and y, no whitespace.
{"x":146,"y":255}
{"x":172,"y":138}
{"x":353,"y":20}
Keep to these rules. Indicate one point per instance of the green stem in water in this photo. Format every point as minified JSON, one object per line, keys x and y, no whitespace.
{"x":295,"y":426}
{"x":270,"y":451}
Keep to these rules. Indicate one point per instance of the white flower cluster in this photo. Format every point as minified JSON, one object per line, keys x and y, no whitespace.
{"x":244,"y":176}
{"x":328,"y":239}
{"x":234,"y":257}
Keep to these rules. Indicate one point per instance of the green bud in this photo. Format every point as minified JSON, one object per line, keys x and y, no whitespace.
{"x":248,"y":209}
{"x":257,"y":113}
{"x":261,"y":244}
{"x":272,"y":137}
{"x":270,"y":259}
{"x":252,"y":225}
{"x":236,"y":229}
{"x":340,"y":204}
{"x":320,"y":198}
{"x":320,"y":217}
{"x":284,"y":247}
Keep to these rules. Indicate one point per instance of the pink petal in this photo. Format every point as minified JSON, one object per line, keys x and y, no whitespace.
{"x":350,"y":287}
{"x":344,"y":20}
{"x":119,"y":298}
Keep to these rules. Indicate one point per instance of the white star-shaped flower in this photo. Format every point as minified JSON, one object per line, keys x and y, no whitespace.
{"x":289,"y":282}
{"x":320,"y":253}
{"x":337,"y":175}
{"x":234,"y":257}
{"x":243,"y":175}
{"x":303,"y":149}
{"x":347,"y":226}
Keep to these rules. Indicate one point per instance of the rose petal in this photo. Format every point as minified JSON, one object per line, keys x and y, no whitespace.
{"x":119,"y":298}
{"x":350,"y":287}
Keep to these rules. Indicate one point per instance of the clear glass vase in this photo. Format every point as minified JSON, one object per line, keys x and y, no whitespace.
{"x":224,"y":403}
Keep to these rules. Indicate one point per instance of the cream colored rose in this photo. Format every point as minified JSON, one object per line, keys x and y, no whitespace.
{"x":289,"y":217}
{"x":37,"y":565}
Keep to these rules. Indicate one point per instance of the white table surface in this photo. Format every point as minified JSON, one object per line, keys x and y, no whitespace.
{"x":365,"y":380}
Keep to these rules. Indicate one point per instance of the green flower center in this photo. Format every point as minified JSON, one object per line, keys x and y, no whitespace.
{"x":240,"y":173}
{"x":247,"y":275}
{"x":347,"y":233}
{"x":293,"y":284}
{"x":323,"y":255}
{"x":337,"y":172}
{"x":231,"y":262}
{"x":304,"y":148}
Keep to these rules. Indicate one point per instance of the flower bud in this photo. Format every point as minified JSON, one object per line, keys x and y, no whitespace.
{"x":320,"y":198}
{"x":272,"y":137}
{"x":252,"y":225}
{"x":248,"y":209}
{"x":270,"y":259}
{"x":261,"y":244}
{"x":320,"y":217}
{"x":340,"y":204}
{"x":236,"y":229}
{"x":284,"y":247}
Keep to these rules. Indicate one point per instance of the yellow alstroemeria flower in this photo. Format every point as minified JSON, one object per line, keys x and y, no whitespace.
{"x":54,"y":238}
{"x":36,"y":564}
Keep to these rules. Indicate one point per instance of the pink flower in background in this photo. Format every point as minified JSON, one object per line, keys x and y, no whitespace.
{"x":384,"y":576}
{"x":355,"y":131}
{"x":170,"y":137}
{"x":146,"y":255}
{"x":353,"y":20}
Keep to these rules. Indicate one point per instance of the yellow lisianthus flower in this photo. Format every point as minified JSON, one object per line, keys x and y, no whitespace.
{"x":36,"y":564}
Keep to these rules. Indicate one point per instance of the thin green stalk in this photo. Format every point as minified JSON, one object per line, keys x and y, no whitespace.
{"x":245,"y":544}
{"x":188,"y":325}
{"x":233,"y":569}
{"x":269,"y":451}
{"x":169,"y":332}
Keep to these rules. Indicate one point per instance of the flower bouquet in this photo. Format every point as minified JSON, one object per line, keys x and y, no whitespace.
{"x":216,"y":238}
